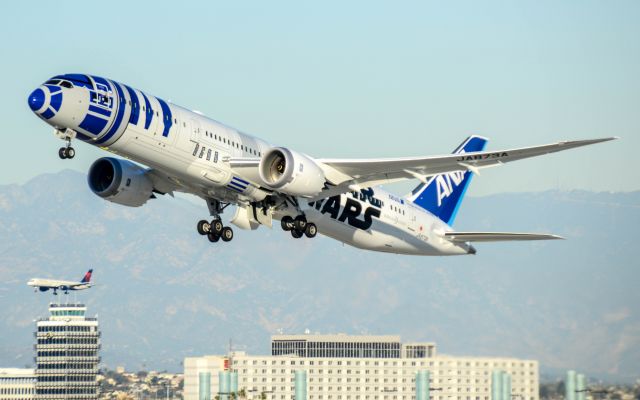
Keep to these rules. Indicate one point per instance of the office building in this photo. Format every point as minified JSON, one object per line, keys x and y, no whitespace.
{"x":67,"y":345}
{"x":345,"y":367}
{"x":17,"y":384}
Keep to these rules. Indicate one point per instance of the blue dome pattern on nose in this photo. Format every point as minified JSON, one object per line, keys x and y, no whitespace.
{"x":56,"y":101}
{"x":36,"y":99}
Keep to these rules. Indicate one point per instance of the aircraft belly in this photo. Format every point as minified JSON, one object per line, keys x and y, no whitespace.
{"x":380,"y":237}
{"x":193,"y":173}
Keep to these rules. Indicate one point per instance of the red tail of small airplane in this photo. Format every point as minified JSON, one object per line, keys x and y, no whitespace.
{"x":87,"y":277}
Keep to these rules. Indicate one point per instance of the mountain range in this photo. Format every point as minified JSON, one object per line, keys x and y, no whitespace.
{"x":163,"y":292}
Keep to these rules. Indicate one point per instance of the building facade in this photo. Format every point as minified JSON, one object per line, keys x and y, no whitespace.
{"x":338,"y":346}
{"x":344,"y":367}
{"x":17,"y":384}
{"x":67,"y":346}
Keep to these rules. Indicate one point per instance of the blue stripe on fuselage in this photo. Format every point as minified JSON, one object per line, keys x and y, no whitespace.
{"x":135,"y":106}
{"x":233,"y":188}
{"x":167,"y":119}
{"x":234,"y":184}
{"x":122,"y":104}
{"x":240,"y":180}
{"x":99,"y":110}
{"x":93,"y":124}
{"x":148,"y":113}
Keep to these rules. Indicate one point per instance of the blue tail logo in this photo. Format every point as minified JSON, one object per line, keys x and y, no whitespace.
{"x":443,"y":193}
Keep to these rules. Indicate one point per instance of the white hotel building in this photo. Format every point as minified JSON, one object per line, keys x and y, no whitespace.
{"x":345,"y":367}
{"x":17,"y":384}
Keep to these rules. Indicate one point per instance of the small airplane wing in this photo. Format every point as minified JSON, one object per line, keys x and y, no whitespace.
{"x":497,"y":236}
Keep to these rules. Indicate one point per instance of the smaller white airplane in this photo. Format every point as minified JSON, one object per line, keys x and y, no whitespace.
{"x":45,"y":284}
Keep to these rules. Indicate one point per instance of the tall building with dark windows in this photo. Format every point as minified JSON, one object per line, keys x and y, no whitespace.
{"x":67,"y":345}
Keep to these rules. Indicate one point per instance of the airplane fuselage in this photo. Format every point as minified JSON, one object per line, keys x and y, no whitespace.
{"x":57,"y":284}
{"x":193,"y":151}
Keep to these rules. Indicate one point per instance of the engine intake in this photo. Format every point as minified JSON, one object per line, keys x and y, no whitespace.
{"x":290,"y":172}
{"x":120,"y":181}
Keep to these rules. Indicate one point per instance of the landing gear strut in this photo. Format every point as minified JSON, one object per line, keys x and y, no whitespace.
{"x":299,"y":226}
{"x":67,"y":151}
{"x":215,"y":230}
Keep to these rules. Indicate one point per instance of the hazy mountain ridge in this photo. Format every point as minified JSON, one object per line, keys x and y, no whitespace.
{"x":163,"y":292}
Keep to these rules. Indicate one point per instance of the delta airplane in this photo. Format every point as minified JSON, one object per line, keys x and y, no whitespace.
{"x":45,"y":284}
{"x":185,"y":151}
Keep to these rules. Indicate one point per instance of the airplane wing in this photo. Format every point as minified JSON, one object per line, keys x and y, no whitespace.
{"x":496,"y":236}
{"x":344,"y":175}
{"x":371,"y":172}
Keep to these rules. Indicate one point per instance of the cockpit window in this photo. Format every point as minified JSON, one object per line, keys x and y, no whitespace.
{"x":76,"y":80}
{"x":66,"y":84}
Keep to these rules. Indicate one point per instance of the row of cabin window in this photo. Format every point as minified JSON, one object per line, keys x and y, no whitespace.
{"x":215,"y":154}
{"x":214,"y":136}
{"x":397,"y":209}
{"x":233,"y":144}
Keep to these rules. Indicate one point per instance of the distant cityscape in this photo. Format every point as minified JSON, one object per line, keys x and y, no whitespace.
{"x":300,"y":367}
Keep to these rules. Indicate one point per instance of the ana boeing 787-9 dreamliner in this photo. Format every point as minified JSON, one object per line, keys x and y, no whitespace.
{"x":165,"y":148}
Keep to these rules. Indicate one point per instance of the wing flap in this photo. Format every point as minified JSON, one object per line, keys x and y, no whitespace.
{"x":497,"y":236}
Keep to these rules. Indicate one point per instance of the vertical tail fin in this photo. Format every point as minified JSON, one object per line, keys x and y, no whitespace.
{"x":87,"y":277}
{"x":442,"y":194}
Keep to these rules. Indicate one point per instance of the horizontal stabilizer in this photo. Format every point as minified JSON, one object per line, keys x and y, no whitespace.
{"x":496,"y":236}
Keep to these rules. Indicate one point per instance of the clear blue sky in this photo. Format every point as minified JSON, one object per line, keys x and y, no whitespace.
{"x":351,"y":79}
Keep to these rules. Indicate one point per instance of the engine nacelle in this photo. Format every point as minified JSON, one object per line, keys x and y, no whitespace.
{"x":291,"y":173}
{"x":120,"y":181}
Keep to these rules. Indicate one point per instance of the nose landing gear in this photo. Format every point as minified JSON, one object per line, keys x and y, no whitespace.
{"x":67,"y":151}
{"x":299,"y":226}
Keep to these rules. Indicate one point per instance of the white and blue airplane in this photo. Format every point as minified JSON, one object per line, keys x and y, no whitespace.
{"x":165,"y":148}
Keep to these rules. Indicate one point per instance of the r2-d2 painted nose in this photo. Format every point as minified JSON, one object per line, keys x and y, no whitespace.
{"x":45,"y":101}
{"x":36,"y":99}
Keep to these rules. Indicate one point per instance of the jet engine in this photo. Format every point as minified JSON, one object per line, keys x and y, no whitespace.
{"x":290,"y":172}
{"x":120,"y":181}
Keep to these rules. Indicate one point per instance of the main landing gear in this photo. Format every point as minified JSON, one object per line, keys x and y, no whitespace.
{"x":215,"y":230}
{"x":299,"y":226}
{"x":67,"y":151}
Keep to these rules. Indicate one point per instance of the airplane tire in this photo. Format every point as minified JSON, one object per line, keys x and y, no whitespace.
{"x":300,"y":223}
{"x":62,"y":153}
{"x":286,"y":223}
{"x":296,"y":233}
{"x":70,"y":152}
{"x":217,"y":227}
{"x":203,"y":227}
{"x":213,"y":237}
{"x":227,"y":234}
{"x":311,"y":230}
